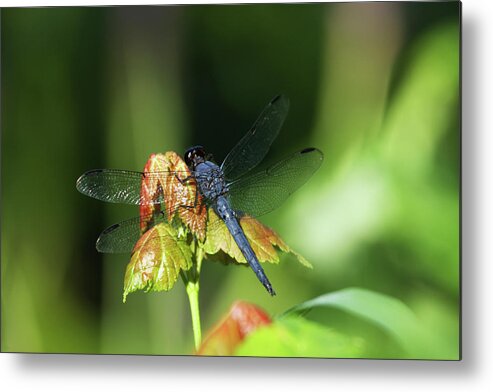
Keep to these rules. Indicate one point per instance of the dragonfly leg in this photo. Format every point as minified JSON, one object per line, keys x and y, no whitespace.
{"x":185,"y":181}
{"x":195,"y":202}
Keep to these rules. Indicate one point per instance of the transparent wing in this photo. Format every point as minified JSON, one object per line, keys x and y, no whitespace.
{"x":122,"y":186}
{"x":253,"y":147}
{"x":122,"y":237}
{"x":264,"y":191}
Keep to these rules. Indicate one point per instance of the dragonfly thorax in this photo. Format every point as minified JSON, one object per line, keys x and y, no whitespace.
{"x":210,"y":180}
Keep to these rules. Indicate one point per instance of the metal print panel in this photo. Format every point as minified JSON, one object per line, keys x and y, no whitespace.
{"x":276,"y":180}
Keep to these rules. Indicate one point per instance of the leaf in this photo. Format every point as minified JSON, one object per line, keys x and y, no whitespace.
{"x":242,"y":319}
{"x":177,"y":191}
{"x":157,"y":259}
{"x":151,"y":189}
{"x":384,"y":311}
{"x":263,"y":240}
{"x":297,"y":337}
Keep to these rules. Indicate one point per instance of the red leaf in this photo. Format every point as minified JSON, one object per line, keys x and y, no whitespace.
{"x":242,"y":319}
{"x":178,"y":191}
{"x":151,"y":189}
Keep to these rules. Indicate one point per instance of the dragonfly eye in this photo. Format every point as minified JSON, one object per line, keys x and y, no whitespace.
{"x":194,"y":156}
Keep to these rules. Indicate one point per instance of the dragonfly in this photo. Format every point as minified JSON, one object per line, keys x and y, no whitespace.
{"x":232,"y":189}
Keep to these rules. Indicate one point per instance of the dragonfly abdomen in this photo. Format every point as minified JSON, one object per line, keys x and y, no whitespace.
{"x":225,"y":212}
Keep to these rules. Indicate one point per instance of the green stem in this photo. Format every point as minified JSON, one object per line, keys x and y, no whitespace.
{"x":191,"y":280}
{"x":193,"y":298}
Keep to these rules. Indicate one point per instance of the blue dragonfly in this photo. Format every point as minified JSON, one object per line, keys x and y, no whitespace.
{"x":229,"y":189}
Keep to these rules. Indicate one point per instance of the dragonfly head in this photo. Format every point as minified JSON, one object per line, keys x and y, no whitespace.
{"x":195,"y":155}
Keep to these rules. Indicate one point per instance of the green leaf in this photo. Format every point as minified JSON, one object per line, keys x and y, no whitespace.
{"x":297,"y":337}
{"x":263,"y":240}
{"x":384,"y":311}
{"x":157,"y":259}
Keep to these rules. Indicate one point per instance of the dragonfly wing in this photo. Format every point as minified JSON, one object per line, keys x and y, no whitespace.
{"x":114,"y":186}
{"x":264,"y":191}
{"x":253,"y":147}
{"x":122,"y":237}
{"x":124,"y":186}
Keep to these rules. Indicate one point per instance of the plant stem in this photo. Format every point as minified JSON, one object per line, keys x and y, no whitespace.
{"x":193,"y":298}
{"x":191,"y":279}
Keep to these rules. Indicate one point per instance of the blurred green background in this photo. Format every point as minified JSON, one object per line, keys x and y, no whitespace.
{"x":373,"y":85}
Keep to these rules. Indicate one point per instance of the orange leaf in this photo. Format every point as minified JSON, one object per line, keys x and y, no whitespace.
{"x":242,"y":319}
{"x":263,"y":240}
{"x":178,"y":190}
{"x":151,"y":189}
